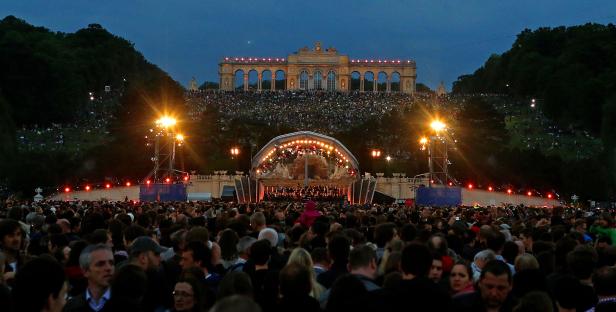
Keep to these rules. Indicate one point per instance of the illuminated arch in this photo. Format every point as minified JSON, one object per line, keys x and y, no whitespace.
{"x":305,"y":137}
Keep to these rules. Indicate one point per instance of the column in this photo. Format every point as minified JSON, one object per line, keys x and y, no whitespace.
{"x":375,"y":83}
{"x":245,"y":81}
{"x":361,"y":82}
{"x":273,"y":85}
{"x":259,"y":81}
{"x":388,"y":89}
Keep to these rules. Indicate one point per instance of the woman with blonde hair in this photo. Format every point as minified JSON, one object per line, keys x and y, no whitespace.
{"x":302,"y":257}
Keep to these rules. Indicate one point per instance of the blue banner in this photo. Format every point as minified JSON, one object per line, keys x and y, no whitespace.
{"x":438,"y":196}
{"x":162,"y":192}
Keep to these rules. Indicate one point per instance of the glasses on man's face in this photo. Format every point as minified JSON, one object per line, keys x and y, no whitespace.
{"x":182,"y":294}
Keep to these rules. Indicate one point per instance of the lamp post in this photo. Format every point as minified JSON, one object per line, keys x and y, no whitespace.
{"x":438,"y":160}
{"x":376,"y":154}
{"x":165,"y":129}
{"x":234,"y":155}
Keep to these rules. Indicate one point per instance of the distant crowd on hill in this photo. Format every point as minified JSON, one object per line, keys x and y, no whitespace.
{"x":327,"y":112}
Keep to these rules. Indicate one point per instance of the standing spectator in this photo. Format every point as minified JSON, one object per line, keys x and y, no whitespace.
{"x":264,"y":280}
{"x":461,"y":279}
{"x":40,"y":285}
{"x":338,"y":250}
{"x":604,"y":281}
{"x":295,"y":287}
{"x":11,"y":238}
{"x":495,"y":284}
{"x":310,"y":214}
{"x":415,"y":285}
{"x":188,"y":295}
{"x":97,"y":264}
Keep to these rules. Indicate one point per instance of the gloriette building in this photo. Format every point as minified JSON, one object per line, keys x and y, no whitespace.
{"x":317,"y":69}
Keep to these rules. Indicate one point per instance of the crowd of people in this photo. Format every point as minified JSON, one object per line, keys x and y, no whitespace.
{"x":303,"y":256}
{"x":91,"y":127}
{"x":328,"y":112}
{"x":318,"y":193}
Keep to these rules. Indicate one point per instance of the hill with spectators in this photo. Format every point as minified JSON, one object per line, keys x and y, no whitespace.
{"x":66,"y":97}
{"x":571,"y":72}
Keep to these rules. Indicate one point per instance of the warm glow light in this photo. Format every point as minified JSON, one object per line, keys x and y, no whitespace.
{"x":470,"y":186}
{"x":388,"y":158}
{"x":423,"y":141}
{"x":185,"y":178}
{"x":450,"y":184}
{"x":376,"y":153}
{"x":437,"y":125}
{"x":529,"y":193}
{"x":167,"y":180}
{"x":550,"y":196}
{"x":236,"y":151}
{"x":147,"y":182}
{"x":509,"y":191}
{"x":128,"y":183}
{"x":490,"y":189}
{"x":87,"y":187}
{"x":67,"y":189}
{"x":179,"y":137}
{"x":107,"y":185}
{"x":166,"y":122}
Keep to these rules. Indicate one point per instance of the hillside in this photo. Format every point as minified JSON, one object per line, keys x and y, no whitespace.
{"x":70,"y":99}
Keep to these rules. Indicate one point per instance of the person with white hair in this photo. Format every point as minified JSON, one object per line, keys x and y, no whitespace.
{"x":276,"y":261}
{"x":480,"y":260}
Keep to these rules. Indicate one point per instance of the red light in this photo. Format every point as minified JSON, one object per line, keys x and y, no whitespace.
{"x":509,"y":191}
{"x":490,"y":189}
{"x":432,"y":181}
{"x":147,"y":182}
{"x":67,"y":189}
{"x":470,"y":186}
{"x":107,"y":185}
{"x":185,"y":178}
{"x":529,"y":193}
{"x":167,"y":180}
{"x":450,"y":184}
{"x":87,"y":187}
{"x":550,"y":196}
{"x":127,"y":183}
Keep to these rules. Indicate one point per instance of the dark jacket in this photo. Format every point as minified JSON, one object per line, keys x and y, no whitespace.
{"x":420,"y":293}
{"x":473,"y":302}
{"x":78,"y":304}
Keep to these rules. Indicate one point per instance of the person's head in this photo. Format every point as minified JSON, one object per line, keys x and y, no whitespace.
{"x":132,"y":232}
{"x":344,"y":293}
{"x":383,"y":233}
{"x":295,"y":281}
{"x":526,"y":262}
{"x":302,"y":257}
{"x":236,"y":303}
{"x":260,"y":252}
{"x":198,"y":233}
{"x":338,"y":248}
{"x":319,"y":256}
{"x":436,"y":270}
{"x":128,"y":286}
{"x":461,"y":277}
{"x":235,"y":283}
{"x":604,"y":281}
{"x":495,"y":283}
{"x":483,"y":257}
{"x":40,"y":286}
{"x":101,"y":236}
{"x":257,"y":221}
{"x":526,"y":235}
{"x":580,"y":226}
{"x":228,"y":244}
{"x":11,"y":235}
{"x":582,"y":261}
{"x":96,"y":262}
{"x":416,"y":261}
{"x":534,"y":301}
{"x":145,"y":252}
{"x":243,"y":246}
{"x":196,"y":254}
{"x":270,"y":234}
{"x":362,"y":260}
{"x":188,"y":295}
{"x":495,"y":241}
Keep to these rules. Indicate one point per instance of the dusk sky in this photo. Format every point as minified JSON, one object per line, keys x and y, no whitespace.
{"x":188,"y":38}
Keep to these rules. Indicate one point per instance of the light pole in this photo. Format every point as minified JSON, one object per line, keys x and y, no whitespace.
{"x":376,"y":154}
{"x":234,"y":155}
{"x":165,"y":130}
{"x":437,"y":152}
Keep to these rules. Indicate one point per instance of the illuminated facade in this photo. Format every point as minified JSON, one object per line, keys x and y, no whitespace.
{"x":317,"y":69}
